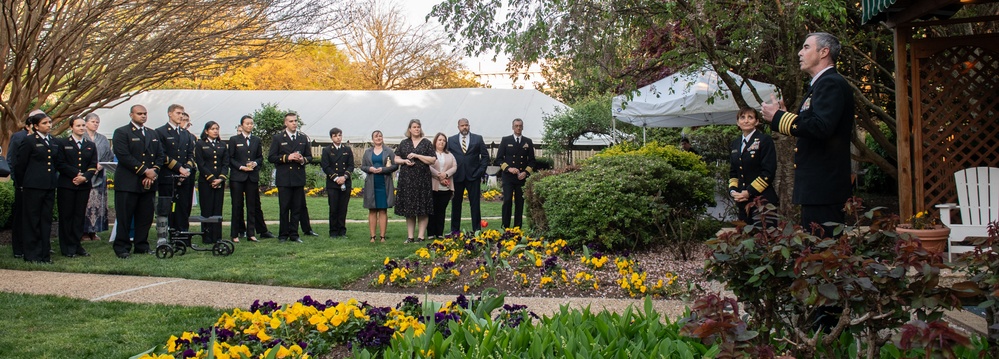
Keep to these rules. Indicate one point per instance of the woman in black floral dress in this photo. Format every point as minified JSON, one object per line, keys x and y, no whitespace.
{"x":414,"y":199}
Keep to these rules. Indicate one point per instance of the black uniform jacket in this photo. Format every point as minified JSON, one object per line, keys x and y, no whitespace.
{"x":178,"y":148}
{"x":212,"y":159}
{"x":73,"y":159}
{"x":753,"y":168}
{"x":337,"y":162}
{"x":241,"y":153}
{"x":289,"y":173}
{"x":35,"y":167}
{"x":519,"y":156}
{"x":823,"y":127}
{"x":136,"y":152}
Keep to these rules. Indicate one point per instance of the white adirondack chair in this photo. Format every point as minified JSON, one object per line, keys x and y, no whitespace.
{"x":978,"y":200}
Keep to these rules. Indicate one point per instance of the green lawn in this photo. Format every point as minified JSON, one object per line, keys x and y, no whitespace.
{"x":44,"y":326}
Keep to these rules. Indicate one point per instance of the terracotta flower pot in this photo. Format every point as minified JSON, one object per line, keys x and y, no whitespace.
{"x":934,"y":239}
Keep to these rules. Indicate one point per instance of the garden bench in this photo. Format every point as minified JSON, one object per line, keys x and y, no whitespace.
{"x":978,"y":201}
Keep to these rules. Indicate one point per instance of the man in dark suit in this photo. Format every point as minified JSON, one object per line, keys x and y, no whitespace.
{"x":516,"y":160}
{"x":35,"y":172}
{"x":76,"y":162}
{"x":823,"y":127}
{"x":140,"y":156}
{"x":472,"y":157}
{"x":338,"y":163}
{"x":178,"y":150}
{"x":16,"y":217}
{"x":245,"y":157}
{"x":289,"y":153}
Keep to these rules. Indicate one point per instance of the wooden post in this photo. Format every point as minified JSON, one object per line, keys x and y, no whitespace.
{"x":903,"y":122}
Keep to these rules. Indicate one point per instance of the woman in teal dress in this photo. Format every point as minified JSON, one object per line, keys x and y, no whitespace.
{"x":379,"y":191}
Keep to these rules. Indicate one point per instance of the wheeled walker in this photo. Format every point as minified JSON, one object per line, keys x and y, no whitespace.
{"x":171,"y":241}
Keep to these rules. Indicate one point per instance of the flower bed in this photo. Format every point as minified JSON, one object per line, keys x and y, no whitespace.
{"x":483,"y":327}
{"x":513,"y":262}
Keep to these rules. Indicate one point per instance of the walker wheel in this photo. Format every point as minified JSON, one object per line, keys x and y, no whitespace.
{"x":164,"y":251}
{"x":228,"y":243}
{"x":221,"y":249}
{"x":180,"y":247}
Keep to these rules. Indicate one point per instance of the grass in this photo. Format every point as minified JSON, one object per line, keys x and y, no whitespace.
{"x":46,"y":326}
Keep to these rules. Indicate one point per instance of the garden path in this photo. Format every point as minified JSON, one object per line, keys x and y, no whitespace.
{"x":179,"y":291}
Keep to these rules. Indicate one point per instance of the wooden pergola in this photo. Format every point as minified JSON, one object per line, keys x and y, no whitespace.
{"x":947,"y":98}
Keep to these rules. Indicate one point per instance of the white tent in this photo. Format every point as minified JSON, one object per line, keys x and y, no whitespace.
{"x":489,"y":111}
{"x":691,"y":97}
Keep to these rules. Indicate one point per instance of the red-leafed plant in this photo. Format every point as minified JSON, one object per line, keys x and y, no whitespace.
{"x":715,"y":319}
{"x":784,"y":276}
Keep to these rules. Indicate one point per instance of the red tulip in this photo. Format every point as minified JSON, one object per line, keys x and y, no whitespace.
{"x":484,"y":224}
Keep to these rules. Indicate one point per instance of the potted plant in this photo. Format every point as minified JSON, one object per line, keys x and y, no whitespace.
{"x":928,"y":229}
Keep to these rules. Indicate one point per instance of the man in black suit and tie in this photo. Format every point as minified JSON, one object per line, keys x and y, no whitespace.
{"x":139,"y":156}
{"x":823,"y":127}
{"x":289,"y":153}
{"x":178,"y":149}
{"x":472,"y":157}
{"x":338,"y":163}
{"x":76,"y":162}
{"x":516,"y":160}
{"x":16,"y":212}
{"x":245,"y":157}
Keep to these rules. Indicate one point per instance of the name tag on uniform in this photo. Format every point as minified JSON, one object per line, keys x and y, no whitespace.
{"x":135,"y":139}
{"x":509,"y":145}
{"x":284,"y":143}
{"x":68,"y":147}
{"x":39,"y":145}
{"x":239,"y":145}
{"x":169,"y":138}
{"x":154,"y":140}
{"x":206,"y":147}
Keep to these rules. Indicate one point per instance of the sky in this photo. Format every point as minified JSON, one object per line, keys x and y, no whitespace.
{"x":417,"y":10}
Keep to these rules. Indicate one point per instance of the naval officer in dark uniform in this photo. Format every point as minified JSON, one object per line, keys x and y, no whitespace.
{"x":245,"y":158}
{"x":16,"y":212}
{"x":139,"y":158}
{"x":823,"y":128}
{"x":76,"y":162}
{"x":178,"y":162}
{"x":35,"y":172}
{"x":338,"y":164}
{"x":212,"y":158}
{"x":516,"y":160}
{"x":753,"y":163}
{"x":289,"y":153}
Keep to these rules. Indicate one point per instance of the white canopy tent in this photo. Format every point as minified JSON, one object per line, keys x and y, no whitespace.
{"x":695,"y":96}
{"x":489,"y":111}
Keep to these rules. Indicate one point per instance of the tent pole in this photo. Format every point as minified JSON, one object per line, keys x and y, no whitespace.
{"x":643,"y":135}
{"x":614,"y":129}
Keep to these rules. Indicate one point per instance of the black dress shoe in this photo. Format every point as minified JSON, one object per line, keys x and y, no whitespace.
{"x":83,"y":254}
{"x":123,"y":255}
{"x":267,"y":235}
{"x":144,"y":252}
{"x":18,"y":256}
{"x":312,"y":234}
{"x":69,"y":255}
{"x":282,"y":239}
{"x":296,"y":239}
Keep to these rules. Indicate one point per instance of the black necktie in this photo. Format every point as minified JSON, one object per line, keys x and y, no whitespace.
{"x":79,"y":144}
{"x":745,"y":143}
{"x":46,"y":139}
{"x":518,"y":140}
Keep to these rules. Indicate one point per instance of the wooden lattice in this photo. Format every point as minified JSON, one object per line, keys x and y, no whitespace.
{"x":958,"y":123}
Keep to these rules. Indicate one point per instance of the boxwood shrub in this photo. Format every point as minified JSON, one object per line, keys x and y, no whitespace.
{"x":6,"y":203}
{"x":624,"y":201}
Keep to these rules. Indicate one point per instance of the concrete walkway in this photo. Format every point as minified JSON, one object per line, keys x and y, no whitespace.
{"x":179,"y":291}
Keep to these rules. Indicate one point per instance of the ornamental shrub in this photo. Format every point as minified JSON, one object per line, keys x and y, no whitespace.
{"x":624,"y":201}
{"x":6,"y":203}
{"x":679,"y":159}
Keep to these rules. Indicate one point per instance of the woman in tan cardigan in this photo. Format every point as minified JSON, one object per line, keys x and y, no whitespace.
{"x":443,"y":188}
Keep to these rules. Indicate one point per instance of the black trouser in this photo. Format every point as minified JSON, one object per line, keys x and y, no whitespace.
{"x":338,"y":201}
{"x":37,"y":224}
{"x":258,"y":217}
{"x":290,"y":201}
{"x":16,"y":238}
{"x":304,"y":218}
{"x":238,"y":191}
{"x":133,"y":208}
{"x":435,"y":227}
{"x":210,"y":199}
{"x":182,"y":193}
{"x":474,"y":196}
{"x":821,"y":214}
{"x":513,"y":193}
{"x":72,"y":209}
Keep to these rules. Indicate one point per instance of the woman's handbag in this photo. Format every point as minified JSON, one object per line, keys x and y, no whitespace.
{"x":4,"y":167}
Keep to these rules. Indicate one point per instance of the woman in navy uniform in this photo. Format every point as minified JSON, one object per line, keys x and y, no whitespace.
{"x":753,"y":162}
{"x":212,"y":158}
{"x":35,"y":172}
{"x":76,"y":161}
{"x":338,"y":163}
